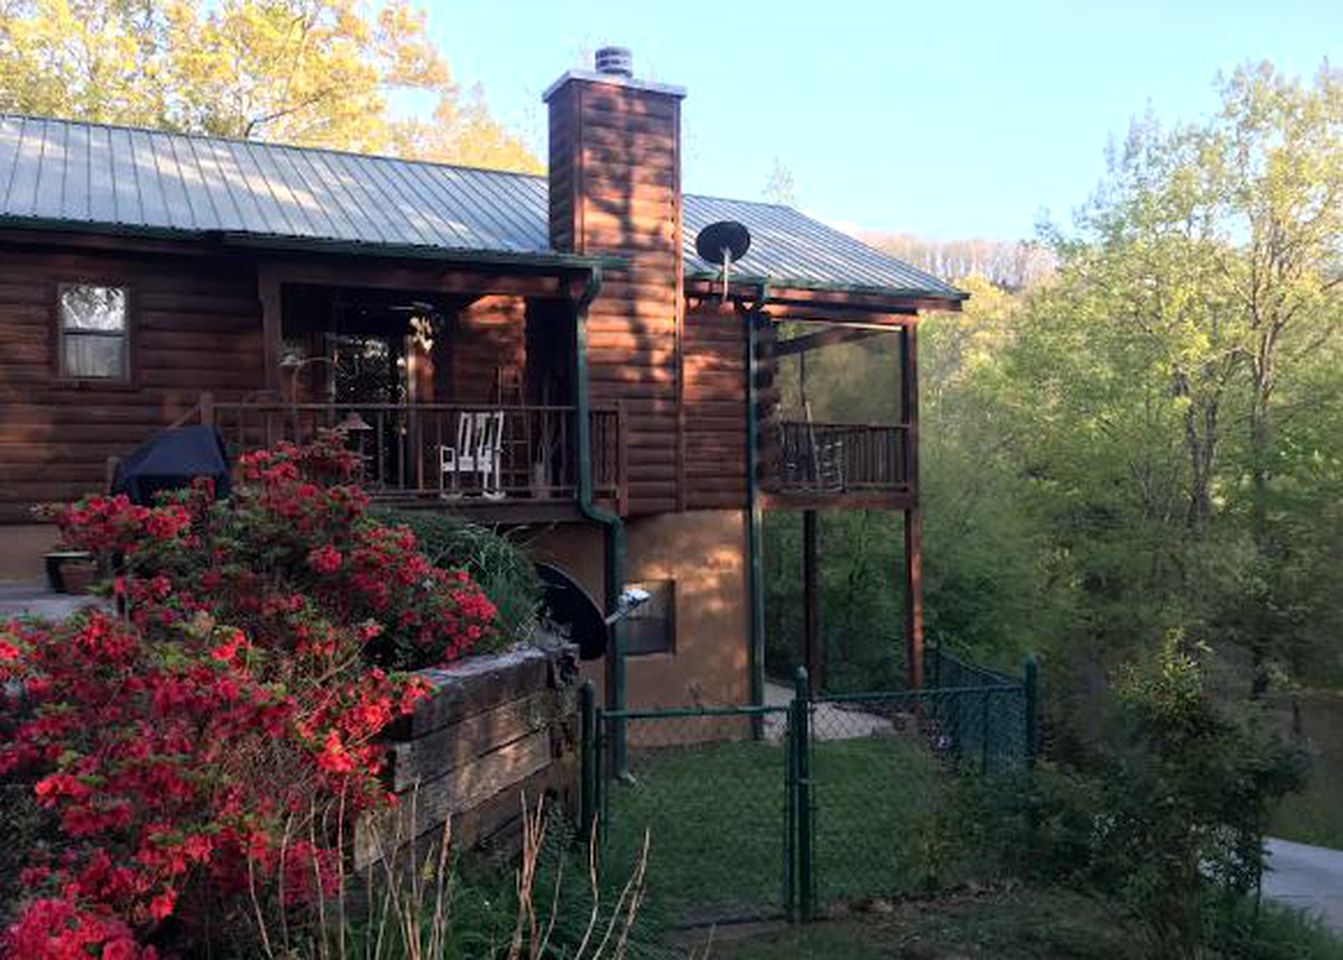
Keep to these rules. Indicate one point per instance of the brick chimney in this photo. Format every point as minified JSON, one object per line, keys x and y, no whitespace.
{"x":615,"y":188}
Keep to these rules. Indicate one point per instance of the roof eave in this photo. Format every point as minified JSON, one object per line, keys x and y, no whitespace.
{"x":519,"y":259}
{"x":953,"y":297}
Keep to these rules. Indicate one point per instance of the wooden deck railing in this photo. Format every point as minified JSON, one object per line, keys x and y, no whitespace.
{"x":402,"y":445}
{"x":837,"y":458}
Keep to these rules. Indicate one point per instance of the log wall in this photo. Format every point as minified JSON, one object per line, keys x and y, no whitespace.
{"x":615,"y":189}
{"x":195,"y":326}
{"x":714,"y":398}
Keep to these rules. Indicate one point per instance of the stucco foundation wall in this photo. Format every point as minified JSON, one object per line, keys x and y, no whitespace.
{"x":22,"y":547}
{"x":704,"y":552}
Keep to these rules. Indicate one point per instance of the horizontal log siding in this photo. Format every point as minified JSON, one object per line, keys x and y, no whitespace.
{"x":488,"y":335}
{"x":195,"y":326}
{"x":715,"y":404}
{"x":615,"y":188}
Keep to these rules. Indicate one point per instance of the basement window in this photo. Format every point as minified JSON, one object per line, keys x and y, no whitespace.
{"x":95,"y":334}
{"x":651,"y":627}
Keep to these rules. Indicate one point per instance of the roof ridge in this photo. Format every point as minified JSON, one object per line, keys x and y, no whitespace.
{"x":305,"y":148}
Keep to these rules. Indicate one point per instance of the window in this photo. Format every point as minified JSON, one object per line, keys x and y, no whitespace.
{"x":94,"y":332}
{"x":651,"y":627}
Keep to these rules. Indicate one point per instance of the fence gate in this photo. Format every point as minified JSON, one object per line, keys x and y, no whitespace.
{"x":714,"y":790}
{"x":763,"y":812}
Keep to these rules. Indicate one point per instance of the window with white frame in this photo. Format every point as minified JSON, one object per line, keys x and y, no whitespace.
{"x":94,"y":332}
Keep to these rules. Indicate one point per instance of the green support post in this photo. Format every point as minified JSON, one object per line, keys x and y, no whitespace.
{"x":602,"y":796}
{"x":1032,"y":694}
{"x":790,"y":817}
{"x":984,"y":728}
{"x":806,"y":883}
{"x":587,"y":701}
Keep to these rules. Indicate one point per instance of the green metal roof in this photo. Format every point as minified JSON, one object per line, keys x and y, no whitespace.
{"x":72,"y":175}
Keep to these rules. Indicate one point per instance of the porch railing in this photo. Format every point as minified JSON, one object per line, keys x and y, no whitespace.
{"x":838,"y":457}
{"x":531,"y":450}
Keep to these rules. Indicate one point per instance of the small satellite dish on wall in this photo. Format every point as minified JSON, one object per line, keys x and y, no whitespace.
{"x":723,"y":242}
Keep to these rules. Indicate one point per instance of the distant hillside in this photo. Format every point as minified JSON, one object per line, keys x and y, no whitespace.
{"x":1010,"y":264}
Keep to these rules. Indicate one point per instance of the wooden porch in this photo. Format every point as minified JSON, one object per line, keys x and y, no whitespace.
{"x":810,"y":464}
{"x":513,"y":462}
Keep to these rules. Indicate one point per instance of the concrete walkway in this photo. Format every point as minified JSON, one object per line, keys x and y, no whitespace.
{"x":19,"y":598}
{"x":829,"y":721}
{"x":1308,"y":878}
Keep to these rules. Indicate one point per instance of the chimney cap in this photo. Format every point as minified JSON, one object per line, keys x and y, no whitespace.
{"x":614,"y":65}
{"x":615,"y":61}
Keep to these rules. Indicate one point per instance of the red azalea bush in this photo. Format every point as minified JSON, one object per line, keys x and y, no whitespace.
{"x":194,"y":757}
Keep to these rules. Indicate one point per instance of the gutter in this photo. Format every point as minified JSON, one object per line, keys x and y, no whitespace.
{"x":537,"y":262}
{"x":755,"y":586}
{"x":612,"y":525}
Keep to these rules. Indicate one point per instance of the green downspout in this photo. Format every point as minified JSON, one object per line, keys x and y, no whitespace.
{"x":610,"y":523}
{"x":754,"y":535}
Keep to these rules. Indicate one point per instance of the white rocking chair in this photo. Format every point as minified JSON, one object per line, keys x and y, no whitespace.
{"x":479,"y":450}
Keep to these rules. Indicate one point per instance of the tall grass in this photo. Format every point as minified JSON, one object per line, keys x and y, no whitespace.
{"x":418,"y":902}
{"x":493,"y":560}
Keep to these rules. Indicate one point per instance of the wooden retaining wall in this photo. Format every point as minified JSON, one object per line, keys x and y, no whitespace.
{"x":497,"y":728}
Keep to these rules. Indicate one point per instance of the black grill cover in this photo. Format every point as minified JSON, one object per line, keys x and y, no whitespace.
{"x":171,"y":460}
{"x":571,"y":606}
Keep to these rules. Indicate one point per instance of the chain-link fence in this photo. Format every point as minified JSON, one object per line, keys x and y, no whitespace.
{"x":712,"y":790}
{"x":881,"y":772}
{"x":755,"y":812}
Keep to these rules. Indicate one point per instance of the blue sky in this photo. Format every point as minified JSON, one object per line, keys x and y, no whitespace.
{"x":943,"y":118}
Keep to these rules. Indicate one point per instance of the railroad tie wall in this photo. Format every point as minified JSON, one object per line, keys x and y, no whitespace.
{"x":496,"y":729}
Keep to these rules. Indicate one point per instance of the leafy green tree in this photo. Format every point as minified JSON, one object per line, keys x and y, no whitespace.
{"x":310,"y":72}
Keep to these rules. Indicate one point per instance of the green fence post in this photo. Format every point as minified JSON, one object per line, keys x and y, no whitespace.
{"x":603,"y":789}
{"x":805,"y":866}
{"x":790,"y":816}
{"x":587,"y":726}
{"x":984,"y":732}
{"x":1032,"y":693}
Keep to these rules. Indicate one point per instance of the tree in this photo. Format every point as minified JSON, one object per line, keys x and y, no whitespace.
{"x":309,"y":72}
{"x":780,"y":187}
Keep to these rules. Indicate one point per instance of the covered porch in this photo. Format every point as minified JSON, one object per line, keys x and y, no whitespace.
{"x":455,"y":382}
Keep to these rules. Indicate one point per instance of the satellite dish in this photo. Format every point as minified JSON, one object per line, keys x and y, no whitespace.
{"x":723,"y":242}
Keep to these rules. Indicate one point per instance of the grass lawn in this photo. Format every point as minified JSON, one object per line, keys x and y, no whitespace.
{"x":1022,"y":924}
{"x":716,"y":815}
{"x":1316,"y":814}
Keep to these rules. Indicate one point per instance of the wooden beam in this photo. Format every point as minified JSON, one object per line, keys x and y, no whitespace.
{"x":826,"y":338}
{"x":913,"y":566}
{"x":820,"y":301}
{"x":847,"y":500}
{"x":813,"y":646}
{"x":423,"y":277}
{"x":844,"y":299}
{"x":272,"y":334}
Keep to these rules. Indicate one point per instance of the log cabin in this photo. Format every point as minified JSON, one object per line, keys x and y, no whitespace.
{"x":626,"y":388}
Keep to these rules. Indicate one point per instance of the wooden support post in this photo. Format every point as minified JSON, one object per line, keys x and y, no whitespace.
{"x":913,"y":574}
{"x":272,"y":336}
{"x":813,"y":645}
{"x":913,"y":567}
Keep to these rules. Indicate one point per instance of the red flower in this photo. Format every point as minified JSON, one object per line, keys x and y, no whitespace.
{"x":325,"y":559}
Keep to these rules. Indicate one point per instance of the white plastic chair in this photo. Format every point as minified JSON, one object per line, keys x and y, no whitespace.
{"x":454,"y":461}
{"x":489,"y":456}
{"x":479,"y":450}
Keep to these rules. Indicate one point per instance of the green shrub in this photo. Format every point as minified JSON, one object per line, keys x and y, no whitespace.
{"x":1164,"y":813}
{"x":494,"y":561}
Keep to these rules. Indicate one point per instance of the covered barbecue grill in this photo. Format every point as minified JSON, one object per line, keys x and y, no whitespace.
{"x":171,"y":460}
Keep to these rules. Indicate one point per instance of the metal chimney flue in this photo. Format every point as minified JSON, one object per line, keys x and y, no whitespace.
{"x":615,"y":61}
